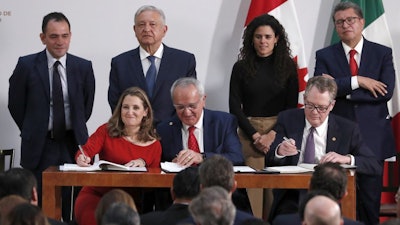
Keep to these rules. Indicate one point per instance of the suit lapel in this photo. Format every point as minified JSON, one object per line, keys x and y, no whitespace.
{"x":71,"y":77}
{"x":340,"y":57}
{"x":163,"y":70}
{"x":43,"y":70}
{"x":333,"y":135}
{"x":207,"y":136}
{"x":176,"y":133}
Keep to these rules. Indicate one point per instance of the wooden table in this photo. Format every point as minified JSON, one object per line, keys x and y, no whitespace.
{"x":53,"y":180}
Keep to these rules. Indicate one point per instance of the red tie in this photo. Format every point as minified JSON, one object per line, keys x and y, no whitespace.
{"x":353,"y":63}
{"x":192,"y":141}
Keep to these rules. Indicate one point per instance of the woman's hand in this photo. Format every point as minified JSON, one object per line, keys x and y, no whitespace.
{"x":136,"y":163}
{"x":83,"y":160}
{"x":264,"y":141}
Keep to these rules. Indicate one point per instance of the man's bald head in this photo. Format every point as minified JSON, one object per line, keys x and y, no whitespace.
{"x":321,"y":210}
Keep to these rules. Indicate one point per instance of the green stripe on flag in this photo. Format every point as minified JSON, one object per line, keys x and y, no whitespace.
{"x":372,"y":9}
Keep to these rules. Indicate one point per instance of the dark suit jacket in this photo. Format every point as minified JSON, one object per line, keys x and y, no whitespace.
{"x":171,"y":216}
{"x":369,"y":112}
{"x":240,"y":216}
{"x":126,"y":71}
{"x":29,"y":101}
{"x":220,"y":137}
{"x":294,"y":219}
{"x":343,"y":137}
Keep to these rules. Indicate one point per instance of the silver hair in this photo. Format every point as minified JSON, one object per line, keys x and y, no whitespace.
{"x":187,"y":81}
{"x":150,"y":8}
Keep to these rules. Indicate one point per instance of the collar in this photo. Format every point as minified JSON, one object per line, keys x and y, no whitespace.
{"x":198,"y":125}
{"x":358,"y":47}
{"x":158,"y":54}
{"x":321,"y":129}
{"x":51,"y":60}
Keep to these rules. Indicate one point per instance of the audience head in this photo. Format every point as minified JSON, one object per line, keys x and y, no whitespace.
{"x":311,"y":194}
{"x":186,"y":184}
{"x":349,"y":22}
{"x":217,"y":171}
{"x":134,"y":99}
{"x":330,"y":177}
{"x":150,"y":27}
{"x":7,"y":203}
{"x":113,"y":196}
{"x":254,"y":221}
{"x":56,"y":34}
{"x":213,"y":206}
{"x":22,"y":182}
{"x":393,"y":221}
{"x":189,"y":99}
{"x":120,"y":213}
{"x":322,"y":210}
{"x":319,"y":99}
{"x":26,"y":214}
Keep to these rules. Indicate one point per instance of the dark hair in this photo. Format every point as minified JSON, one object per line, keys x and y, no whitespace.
{"x":26,"y":214}
{"x":217,"y":171}
{"x":186,"y":183}
{"x":19,"y":181}
{"x":323,"y":84}
{"x":56,"y":16}
{"x":283,"y":63}
{"x":330,"y":177}
{"x":116,"y":127}
{"x":121,"y":214}
{"x":341,"y":6}
{"x":113,"y":196}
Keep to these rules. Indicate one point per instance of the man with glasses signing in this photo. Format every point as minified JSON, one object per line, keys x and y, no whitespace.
{"x":365,"y":76}
{"x":333,"y":139}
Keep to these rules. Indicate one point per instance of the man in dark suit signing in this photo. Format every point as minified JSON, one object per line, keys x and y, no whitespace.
{"x":50,"y":98}
{"x":152,"y":66}
{"x":196,"y":133}
{"x":365,"y":76}
{"x":314,"y":135}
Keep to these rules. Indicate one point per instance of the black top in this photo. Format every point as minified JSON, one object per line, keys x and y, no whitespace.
{"x":261,"y":95}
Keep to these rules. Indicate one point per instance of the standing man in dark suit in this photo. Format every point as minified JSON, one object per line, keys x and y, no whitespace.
{"x":50,"y":137}
{"x":363,"y":92}
{"x":335,"y":139}
{"x":132,"y":68}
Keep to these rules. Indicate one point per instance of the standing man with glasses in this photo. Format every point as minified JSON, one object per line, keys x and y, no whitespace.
{"x":52,"y":115}
{"x":334,"y":139}
{"x":365,"y":76}
{"x":153,"y":66}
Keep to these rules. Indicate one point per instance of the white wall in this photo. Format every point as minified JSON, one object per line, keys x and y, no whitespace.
{"x":211,"y":29}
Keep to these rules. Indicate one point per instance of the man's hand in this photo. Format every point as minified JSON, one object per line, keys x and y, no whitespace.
{"x":335,"y":158}
{"x":288,"y":148}
{"x":188,"y":157}
{"x":374,"y":86}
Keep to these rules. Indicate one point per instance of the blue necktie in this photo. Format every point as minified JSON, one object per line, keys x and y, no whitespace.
{"x":58,"y":105}
{"x":309,"y":150}
{"x":151,"y":75}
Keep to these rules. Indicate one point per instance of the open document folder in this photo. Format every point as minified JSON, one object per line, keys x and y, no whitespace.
{"x":300,"y":168}
{"x":172,"y":167}
{"x":101,"y":165}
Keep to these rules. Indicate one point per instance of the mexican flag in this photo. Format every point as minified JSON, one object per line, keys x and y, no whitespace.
{"x":285,"y":13}
{"x":376,"y":30}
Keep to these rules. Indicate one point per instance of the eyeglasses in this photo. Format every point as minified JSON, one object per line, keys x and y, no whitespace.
{"x":320,"y":109}
{"x":192,"y":106}
{"x":348,"y":20}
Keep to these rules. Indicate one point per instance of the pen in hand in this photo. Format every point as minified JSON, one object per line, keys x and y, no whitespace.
{"x":83,"y":153}
{"x":287,"y":139}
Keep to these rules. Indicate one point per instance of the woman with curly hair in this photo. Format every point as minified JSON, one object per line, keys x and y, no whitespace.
{"x":129,"y":139}
{"x":263,"y":83}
